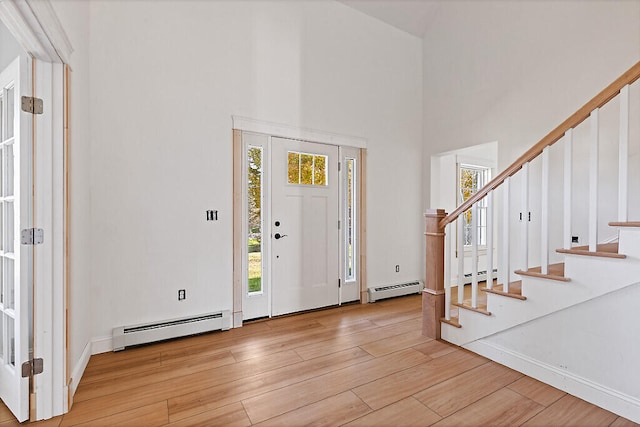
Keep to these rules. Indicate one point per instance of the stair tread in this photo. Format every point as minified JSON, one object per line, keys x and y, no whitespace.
{"x":607,"y":250}
{"x":482,"y":306}
{"x":515,"y":290}
{"x":556,"y":272}
{"x":453,"y":322}
{"x":625,"y":224}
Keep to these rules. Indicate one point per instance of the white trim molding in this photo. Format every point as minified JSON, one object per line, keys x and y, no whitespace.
{"x":78,"y":370}
{"x":36,"y":27}
{"x":605,"y":397}
{"x":293,"y":132}
{"x":101,"y":345}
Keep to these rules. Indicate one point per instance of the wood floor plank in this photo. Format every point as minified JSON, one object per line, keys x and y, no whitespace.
{"x":332,"y":411}
{"x":113,"y":403}
{"x":209,"y":398}
{"x":120,"y":367}
{"x":5,"y":413}
{"x":402,"y":384}
{"x":399,"y":342}
{"x":155,"y":414}
{"x":303,"y":338}
{"x":390,"y":319}
{"x":344,"y":342}
{"x":537,"y":391}
{"x":571,"y":411}
{"x":313,"y":369}
{"x":502,"y":408}
{"x":156,"y":375}
{"x":280,"y":401}
{"x":623,"y":422}
{"x":406,"y":412}
{"x":232,"y":415}
{"x":435,"y":349}
{"x":462,"y":390}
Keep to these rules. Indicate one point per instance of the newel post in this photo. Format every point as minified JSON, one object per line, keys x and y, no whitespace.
{"x":433,"y":294}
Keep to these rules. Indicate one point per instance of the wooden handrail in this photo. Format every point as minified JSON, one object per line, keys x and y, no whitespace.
{"x":574,"y":120}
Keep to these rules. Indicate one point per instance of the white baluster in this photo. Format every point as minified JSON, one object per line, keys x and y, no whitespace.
{"x":524,"y":219}
{"x":489,"y":242}
{"x":505,"y":269}
{"x":447,"y":272}
{"x":544,"y":218}
{"x":474,"y":255}
{"x":460,"y":258}
{"x":568,"y":170}
{"x":593,"y":181}
{"x":623,"y":154}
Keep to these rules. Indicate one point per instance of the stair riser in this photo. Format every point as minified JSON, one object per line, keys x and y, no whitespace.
{"x":602,"y":272}
{"x":593,"y":278}
{"x":629,"y":242}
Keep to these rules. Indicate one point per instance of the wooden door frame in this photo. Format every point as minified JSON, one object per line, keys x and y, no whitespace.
{"x":37,"y":29}
{"x":243,"y":124}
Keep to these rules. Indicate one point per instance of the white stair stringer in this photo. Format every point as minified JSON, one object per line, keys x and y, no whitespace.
{"x":591,"y":277}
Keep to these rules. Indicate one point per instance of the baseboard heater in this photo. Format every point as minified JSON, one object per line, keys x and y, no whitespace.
{"x":396,"y":290}
{"x":482,"y":276}
{"x":127,"y":336}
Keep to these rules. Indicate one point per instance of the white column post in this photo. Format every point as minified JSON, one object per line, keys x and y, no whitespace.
{"x":568,"y":170}
{"x":593,"y":180}
{"x":544,"y":214}
{"x":489,"y":231}
{"x":461,"y":259}
{"x":474,"y":255}
{"x":524,"y":218}
{"x":506,"y":219}
{"x":447,"y":272}
{"x":623,"y":155}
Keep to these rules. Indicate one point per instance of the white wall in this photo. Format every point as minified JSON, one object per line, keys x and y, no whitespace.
{"x":74,"y":17}
{"x":9,"y":47}
{"x":590,"y":345}
{"x":166,"y":78}
{"x":513,"y":71}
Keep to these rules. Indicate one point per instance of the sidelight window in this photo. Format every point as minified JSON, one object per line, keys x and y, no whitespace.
{"x":255,"y":215}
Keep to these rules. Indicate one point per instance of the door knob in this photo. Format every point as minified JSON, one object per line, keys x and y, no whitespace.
{"x":279,"y":236}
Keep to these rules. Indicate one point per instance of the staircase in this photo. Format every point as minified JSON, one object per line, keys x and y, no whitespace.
{"x":538,"y":282}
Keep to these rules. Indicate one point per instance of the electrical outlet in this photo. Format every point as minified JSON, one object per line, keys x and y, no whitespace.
{"x":182,"y":294}
{"x":574,"y":239}
{"x":397,"y":268}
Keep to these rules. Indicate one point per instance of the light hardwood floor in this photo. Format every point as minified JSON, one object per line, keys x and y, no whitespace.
{"x":358,"y":365}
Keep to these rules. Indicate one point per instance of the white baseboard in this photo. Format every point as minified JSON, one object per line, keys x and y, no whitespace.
{"x":605,"y":397}
{"x":101,"y":345}
{"x":78,"y":370}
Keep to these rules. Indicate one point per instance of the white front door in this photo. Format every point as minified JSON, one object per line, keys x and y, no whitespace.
{"x":15,"y":213}
{"x":304,"y":226}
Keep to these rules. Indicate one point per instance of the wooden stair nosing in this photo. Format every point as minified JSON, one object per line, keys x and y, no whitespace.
{"x":588,"y":253}
{"x":504,"y":294}
{"x":468,"y":307}
{"x":543,"y":276}
{"x":625,"y":224}
{"x":555,"y":272}
{"x":451,"y":322}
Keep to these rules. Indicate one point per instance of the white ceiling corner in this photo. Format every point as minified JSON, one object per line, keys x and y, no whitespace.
{"x":411,"y":16}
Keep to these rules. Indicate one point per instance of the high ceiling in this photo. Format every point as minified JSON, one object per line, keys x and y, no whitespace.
{"x":412,"y":16}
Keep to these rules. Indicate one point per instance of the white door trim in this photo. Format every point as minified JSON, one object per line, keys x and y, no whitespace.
{"x":36,"y":27}
{"x":293,"y":132}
